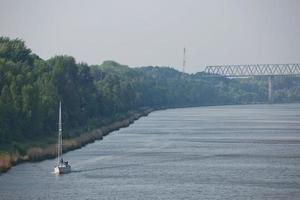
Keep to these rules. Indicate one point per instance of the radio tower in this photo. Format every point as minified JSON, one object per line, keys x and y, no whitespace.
{"x":184,"y":61}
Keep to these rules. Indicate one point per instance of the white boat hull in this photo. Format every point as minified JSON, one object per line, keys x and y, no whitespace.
{"x":62,"y":169}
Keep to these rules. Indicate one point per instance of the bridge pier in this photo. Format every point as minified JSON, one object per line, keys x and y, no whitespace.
{"x":270,"y":89}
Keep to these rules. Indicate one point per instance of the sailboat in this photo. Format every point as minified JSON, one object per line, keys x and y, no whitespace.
{"x":62,"y":167}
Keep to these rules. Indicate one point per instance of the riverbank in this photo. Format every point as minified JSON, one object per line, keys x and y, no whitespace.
{"x":7,"y":160}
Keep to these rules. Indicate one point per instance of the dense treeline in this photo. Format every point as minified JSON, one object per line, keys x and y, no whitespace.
{"x":93,"y":95}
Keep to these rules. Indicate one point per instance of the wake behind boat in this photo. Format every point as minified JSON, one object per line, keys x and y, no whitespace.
{"x":62,"y":166}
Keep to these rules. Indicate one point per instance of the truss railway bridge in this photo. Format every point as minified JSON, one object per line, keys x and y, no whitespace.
{"x":256,"y":70}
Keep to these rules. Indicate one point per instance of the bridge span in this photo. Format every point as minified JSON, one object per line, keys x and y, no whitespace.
{"x":242,"y":71}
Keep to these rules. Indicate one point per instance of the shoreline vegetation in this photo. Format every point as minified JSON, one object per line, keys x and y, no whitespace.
{"x":7,"y":160}
{"x":98,"y":99}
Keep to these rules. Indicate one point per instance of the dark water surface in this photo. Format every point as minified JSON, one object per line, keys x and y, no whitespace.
{"x":222,"y":152}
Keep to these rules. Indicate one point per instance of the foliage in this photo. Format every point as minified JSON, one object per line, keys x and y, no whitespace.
{"x":31,"y":89}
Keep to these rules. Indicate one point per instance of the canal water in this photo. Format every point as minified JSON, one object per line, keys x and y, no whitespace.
{"x":221,"y":152}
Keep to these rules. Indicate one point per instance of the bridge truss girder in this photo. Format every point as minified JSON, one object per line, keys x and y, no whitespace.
{"x":268,"y":70}
{"x":254,"y":70}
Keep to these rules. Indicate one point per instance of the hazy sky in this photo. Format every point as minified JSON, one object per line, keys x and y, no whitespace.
{"x":154,"y":32}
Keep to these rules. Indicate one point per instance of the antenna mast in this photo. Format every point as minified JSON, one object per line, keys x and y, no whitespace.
{"x":184,"y":60}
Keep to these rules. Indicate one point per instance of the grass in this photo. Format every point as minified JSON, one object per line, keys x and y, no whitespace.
{"x":11,"y":152}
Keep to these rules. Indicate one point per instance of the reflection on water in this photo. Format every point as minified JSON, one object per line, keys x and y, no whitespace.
{"x":223,"y":152}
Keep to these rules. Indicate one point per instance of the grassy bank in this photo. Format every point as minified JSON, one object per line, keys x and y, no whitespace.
{"x":36,"y":153}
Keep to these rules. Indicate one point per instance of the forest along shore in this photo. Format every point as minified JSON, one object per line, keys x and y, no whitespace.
{"x":93,"y":95}
{"x":7,"y":160}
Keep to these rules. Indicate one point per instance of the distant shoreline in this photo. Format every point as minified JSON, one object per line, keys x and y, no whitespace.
{"x":7,"y":160}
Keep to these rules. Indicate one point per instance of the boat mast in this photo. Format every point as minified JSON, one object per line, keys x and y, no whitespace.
{"x":59,"y":148}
